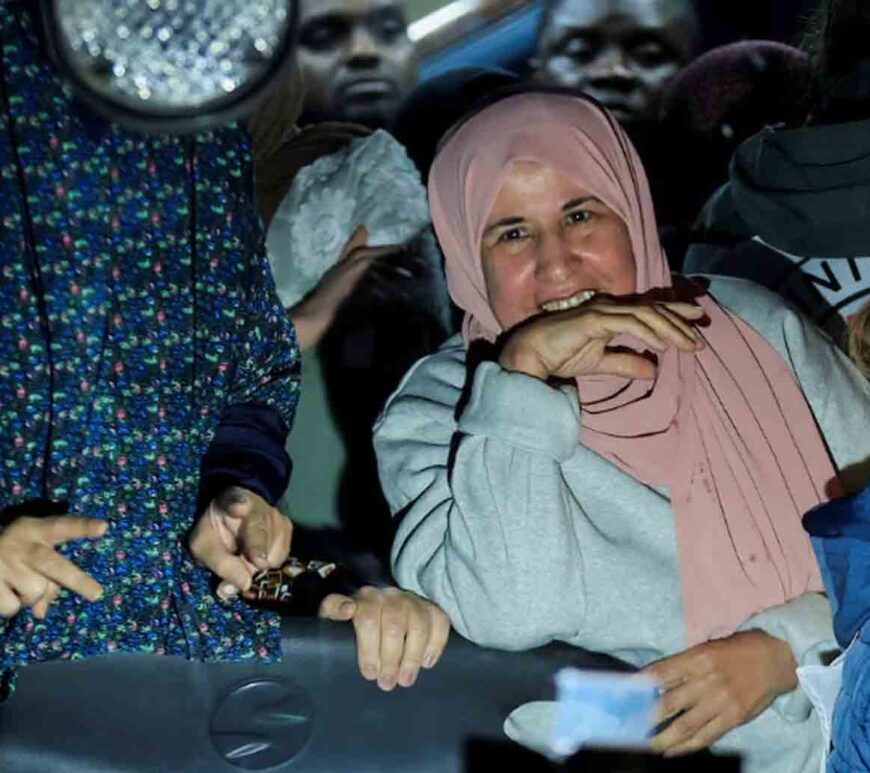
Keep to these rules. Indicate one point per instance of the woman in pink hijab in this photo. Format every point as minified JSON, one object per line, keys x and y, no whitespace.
{"x":625,"y":465}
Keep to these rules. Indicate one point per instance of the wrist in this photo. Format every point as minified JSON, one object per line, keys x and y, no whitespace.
{"x":517,"y":359}
{"x":785,"y":665}
{"x":310,"y":324}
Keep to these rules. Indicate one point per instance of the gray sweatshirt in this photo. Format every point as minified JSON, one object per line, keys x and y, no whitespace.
{"x":524,"y":536}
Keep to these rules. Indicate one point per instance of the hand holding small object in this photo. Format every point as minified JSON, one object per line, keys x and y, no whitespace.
{"x":715,"y":686}
{"x":239,"y":534}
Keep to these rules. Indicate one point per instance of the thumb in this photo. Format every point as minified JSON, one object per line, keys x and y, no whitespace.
{"x":337,"y":606}
{"x":627,"y":365}
{"x":358,"y":239}
{"x":257,"y":534}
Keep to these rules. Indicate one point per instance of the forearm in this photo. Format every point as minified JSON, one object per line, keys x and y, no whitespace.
{"x":488,"y":533}
{"x":310,"y":328}
{"x":313,"y":316}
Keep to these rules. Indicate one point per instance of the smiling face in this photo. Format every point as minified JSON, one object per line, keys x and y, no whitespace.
{"x":356,"y":58}
{"x":621,"y":52}
{"x":547,"y":242}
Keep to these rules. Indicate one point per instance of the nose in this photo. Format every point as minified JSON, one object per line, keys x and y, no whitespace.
{"x":362,"y":51}
{"x":554,"y":263}
{"x":611,"y":67}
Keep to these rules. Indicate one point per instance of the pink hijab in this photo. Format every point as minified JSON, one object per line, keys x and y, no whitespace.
{"x":727,"y":430}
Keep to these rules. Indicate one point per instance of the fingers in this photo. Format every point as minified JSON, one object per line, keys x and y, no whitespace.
{"x":367,"y":624}
{"x":397,"y":633}
{"x":357,"y":240}
{"x":679,"y":323}
{"x":672,"y":671}
{"x":685,"y":310}
{"x":265,"y":536}
{"x":208,"y":548}
{"x":684,"y":730}
{"x":419,"y":631}
{"x":627,"y":365}
{"x":338,"y":607}
{"x":661,"y":321}
{"x":707,"y":735}
{"x":381,"y":256}
{"x":608,"y":323}
{"x":10,"y":605}
{"x":256,"y":536}
{"x":681,"y":698}
{"x":61,"y":571}
{"x":63,"y":528}
{"x":40,"y":609}
{"x":283,"y":536}
{"x":234,"y":571}
{"x":394,"y":628}
{"x":29,"y":585}
{"x":428,"y":631}
{"x":440,"y":633}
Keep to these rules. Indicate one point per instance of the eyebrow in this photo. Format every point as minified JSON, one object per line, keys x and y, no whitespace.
{"x":508,"y":221}
{"x":335,"y":16}
{"x":505,"y":221}
{"x":577,"y":202}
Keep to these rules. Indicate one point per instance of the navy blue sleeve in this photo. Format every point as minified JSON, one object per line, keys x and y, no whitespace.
{"x":248,"y":451}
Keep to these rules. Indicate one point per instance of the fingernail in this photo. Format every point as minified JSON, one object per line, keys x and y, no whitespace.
{"x":387,"y":682}
{"x":346,"y":608}
{"x":228,"y":590}
{"x":369,"y":672}
{"x":429,"y":660}
{"x":407,"y":677}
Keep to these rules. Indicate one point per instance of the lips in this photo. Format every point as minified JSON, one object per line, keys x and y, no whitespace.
{"x":571,"y":302}
{"x":616,"y":103}
{"x":368,"y":90}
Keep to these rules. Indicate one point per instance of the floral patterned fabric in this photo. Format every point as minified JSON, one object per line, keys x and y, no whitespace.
{"x":371,"y":182}
{"x":136,"y":306}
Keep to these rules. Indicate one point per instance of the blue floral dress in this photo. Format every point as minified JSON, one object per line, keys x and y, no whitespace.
{"x":136,"y":306}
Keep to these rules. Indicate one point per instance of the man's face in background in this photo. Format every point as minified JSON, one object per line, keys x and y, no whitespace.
{"x":621,"y":52}
{"x":356,"y":59}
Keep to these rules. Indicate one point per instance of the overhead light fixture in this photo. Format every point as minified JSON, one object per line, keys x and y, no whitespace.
{"x":170,"y":65}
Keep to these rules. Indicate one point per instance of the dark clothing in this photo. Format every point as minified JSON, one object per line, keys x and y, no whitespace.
{"x":795,"y":217}
{"x":140,"y":323}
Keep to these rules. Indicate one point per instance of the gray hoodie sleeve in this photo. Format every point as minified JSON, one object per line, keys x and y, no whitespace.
{"x":474,"y":493}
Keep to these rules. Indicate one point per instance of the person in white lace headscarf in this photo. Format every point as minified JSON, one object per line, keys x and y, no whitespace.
{"x":357,"y":266}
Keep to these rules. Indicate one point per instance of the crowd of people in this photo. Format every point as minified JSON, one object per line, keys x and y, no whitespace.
{"x":579,"y":353}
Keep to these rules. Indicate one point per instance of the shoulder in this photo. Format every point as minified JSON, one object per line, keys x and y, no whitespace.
{"x":748,"y":300}
{"x":436,"y":378}
{"x":808,"y":349}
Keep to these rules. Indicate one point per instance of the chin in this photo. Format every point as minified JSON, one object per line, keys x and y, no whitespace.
{"x":375,"y":116}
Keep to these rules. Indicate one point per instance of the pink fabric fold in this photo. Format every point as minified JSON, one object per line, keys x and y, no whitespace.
{"x":727,"y":429}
